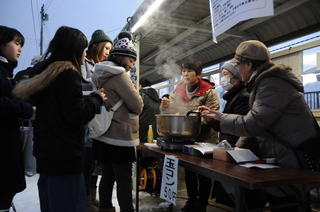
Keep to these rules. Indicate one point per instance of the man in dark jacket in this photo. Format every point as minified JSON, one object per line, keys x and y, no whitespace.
{"x":151,"y":107}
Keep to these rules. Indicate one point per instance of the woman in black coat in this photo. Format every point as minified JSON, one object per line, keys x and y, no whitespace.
{"x":237,"y":102}
{"x":61,"y":112}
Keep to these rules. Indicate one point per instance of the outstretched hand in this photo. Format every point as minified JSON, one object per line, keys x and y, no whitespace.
{"x":209,"y":114}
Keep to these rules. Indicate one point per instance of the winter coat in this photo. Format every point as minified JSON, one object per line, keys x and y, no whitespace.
{"x":204,"y":95}
{"x":61,"y":112}
{"x":237,"y":102}
{"x":151,"y":107}
{"x":87,"y":69}
{"x":277,"y":108}
{"x":12,"y":179}
{"x":124,"y":128}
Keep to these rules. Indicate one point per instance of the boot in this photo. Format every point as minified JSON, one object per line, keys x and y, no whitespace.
{"x":94,"y":201}
{"x":90,"y":207}
{"x":113,"y":209}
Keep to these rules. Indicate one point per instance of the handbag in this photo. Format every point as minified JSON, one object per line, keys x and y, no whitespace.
{"x":307,"y":152}
{"x":101,"y":122}
{"x":29,"y":161}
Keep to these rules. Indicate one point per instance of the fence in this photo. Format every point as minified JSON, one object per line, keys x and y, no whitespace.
{"x":313,"y":99}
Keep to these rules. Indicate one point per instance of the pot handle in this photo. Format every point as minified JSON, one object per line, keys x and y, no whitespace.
{"x":193,"y":111}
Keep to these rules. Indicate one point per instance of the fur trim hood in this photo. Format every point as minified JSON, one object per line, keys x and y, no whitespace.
{"x":28,"y":87}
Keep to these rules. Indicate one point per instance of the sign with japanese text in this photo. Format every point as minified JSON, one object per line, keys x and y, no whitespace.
{"x":227,"y":13}
{"x":169,"y":181}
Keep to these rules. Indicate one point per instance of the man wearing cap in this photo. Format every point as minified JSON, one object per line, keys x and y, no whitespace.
{"x":277,"y":110}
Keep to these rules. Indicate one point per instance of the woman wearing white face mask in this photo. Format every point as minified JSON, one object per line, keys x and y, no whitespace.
{"x":237,"y":98}
{"x":237,"y":102}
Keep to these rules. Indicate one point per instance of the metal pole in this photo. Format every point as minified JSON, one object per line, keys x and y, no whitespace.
{"x":41,"y":31}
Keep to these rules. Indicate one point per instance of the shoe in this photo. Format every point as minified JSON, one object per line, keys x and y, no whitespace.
{"x":201,"y":208}
{"x":113,"y":209}
{"x":94,"y":201}
{"x":90,"y":207}
{"x":189,"y":207}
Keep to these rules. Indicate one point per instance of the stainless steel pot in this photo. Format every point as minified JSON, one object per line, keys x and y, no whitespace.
{"x":171,"y":125}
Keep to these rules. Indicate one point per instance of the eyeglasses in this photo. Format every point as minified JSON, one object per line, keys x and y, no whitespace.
{"x":237,"y":65}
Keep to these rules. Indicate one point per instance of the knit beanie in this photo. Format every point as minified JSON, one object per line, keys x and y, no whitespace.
{"x":230,"y":67}
{"x":124,"y":46}
{"x":99,"y":36}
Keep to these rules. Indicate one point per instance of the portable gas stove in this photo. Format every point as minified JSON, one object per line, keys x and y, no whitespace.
{"x":174,"y":143}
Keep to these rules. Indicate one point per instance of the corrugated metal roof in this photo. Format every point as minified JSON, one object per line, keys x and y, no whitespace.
{"x":181,"y":29}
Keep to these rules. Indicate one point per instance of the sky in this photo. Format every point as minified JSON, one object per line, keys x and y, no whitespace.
{"x":85,"y":15}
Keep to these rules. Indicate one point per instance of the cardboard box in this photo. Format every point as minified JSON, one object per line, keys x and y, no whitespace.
{"x":222,"y":154}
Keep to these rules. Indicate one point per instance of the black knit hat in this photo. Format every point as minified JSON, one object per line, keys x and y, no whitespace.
{"x":99,"y":36}
{"x":124,"y":46}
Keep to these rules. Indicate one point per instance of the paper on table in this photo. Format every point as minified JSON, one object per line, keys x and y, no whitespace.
{"x":242,"y":155}
{"x":259,"y":165}
{"x":151,"y":144}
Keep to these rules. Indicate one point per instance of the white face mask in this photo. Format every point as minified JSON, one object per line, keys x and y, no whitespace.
{"x":225,"y":83}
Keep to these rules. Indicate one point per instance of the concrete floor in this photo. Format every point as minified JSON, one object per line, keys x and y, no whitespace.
{"x":149,"y":202}
{"x":28,"y":201}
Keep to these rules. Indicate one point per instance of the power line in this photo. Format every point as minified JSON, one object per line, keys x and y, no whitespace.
{"x":34,"y":27}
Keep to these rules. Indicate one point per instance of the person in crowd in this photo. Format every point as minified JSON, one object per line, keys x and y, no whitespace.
{"x":236,"y":97}
{"x":99,"y":49}
{"x":116,"y":147}
{"x":237,"y":102}
{"x":61,"y":112}
{"x":12,"y":178}
{"x":192,"y":92}
{"x":164,"y":95}
{"x":277,"y":108}
{"x":151,"y":107}
{"x":24,"y":74}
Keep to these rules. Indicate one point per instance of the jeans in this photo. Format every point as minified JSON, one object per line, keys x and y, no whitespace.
{"x":121,"y":174}
{"x":63,"y":193}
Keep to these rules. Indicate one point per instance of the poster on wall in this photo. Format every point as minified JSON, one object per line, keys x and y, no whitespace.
{"x":227,"y":13}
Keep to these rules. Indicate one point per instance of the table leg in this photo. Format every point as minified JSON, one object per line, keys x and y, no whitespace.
{"x":137,"y":182}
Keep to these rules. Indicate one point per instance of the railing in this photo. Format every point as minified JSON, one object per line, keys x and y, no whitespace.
{"x":313,"y":99}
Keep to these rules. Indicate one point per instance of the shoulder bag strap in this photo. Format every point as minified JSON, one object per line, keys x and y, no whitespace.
{"x":117,"y":105}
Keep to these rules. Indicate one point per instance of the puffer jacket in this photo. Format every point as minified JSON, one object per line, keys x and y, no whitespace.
{"x":204,"y":95}
{"x":61,"y":112}
{"x":12,"y":179}
{"x":124,"y":128}
{"x":277,"y":108}
{"x":151,"y":107}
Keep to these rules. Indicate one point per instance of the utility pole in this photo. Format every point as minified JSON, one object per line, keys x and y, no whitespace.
{"x":44,"y":17}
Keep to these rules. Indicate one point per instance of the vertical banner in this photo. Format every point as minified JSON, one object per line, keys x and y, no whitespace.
{"x":227,"y":13}
{"x":169,"y":181}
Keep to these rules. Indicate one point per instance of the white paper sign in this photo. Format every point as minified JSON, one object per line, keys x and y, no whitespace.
{"x":169,"y":181}
{"x":227,"y":13}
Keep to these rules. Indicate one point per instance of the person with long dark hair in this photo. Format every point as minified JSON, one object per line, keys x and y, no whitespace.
{"x":61,"y":112}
